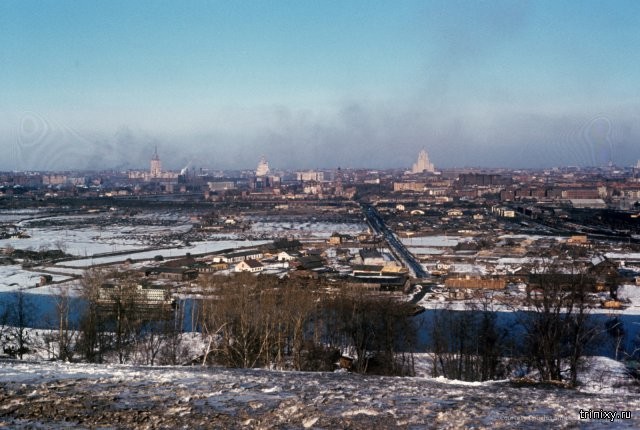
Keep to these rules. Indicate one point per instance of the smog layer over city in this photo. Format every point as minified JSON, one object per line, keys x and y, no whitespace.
{"x":290,"y":214}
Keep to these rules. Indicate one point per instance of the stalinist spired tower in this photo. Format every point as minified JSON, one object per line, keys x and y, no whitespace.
{"x":423,"y":164}
{"x":263,"y":167}
{"x":156,"y":167}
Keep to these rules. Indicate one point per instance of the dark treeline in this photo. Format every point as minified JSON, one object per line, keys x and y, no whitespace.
{"x":243,"y":321}
{"x":253,"y":321}
{"x":248,"y":321}
{"x":549,"y":339}
{"x":124,"y":327}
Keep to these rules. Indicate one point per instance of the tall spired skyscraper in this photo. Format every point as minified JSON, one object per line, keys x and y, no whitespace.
{"x":423,"y":164}
{"x":156,"y":167}
{"x":263,"y":167}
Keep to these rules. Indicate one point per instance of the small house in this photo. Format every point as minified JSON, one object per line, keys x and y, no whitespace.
{"x":251,"y":266}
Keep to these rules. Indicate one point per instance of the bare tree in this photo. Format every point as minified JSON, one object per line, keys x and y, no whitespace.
{"x":4,"y":327}
{"x":252,"y":320}
{"x":230,"y":320}
{"x":378,"y":331}
{"x":66,"y":334}
{"x":558,"y":327}
{"x":20,"y":317}
{"x":93,"y":340}
{"x":151,"y":341}
{"x":173,"y":350}
{"x":124,"y":314}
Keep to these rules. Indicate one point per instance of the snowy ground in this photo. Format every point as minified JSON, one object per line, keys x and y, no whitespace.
{"x":14,"y":277}
{"x":629,"y":294}
{"x":304,"y":230}
{"x":60,"y":395}
{"x":87,"y":240}
{"x":173,"y":252}
{"x":89,"y":234}
{"x":16,"y":215}
{"x":431,"y":241}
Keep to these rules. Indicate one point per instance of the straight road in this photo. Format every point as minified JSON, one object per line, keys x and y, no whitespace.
{"x":379,"y":227}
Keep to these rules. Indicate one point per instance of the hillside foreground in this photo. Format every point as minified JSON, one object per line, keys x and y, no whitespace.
{"x":54,"y":394}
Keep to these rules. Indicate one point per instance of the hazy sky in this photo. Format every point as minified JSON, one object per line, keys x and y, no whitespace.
{"x":87,"y":84}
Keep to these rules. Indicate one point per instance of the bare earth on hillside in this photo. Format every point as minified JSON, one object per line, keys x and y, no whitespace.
{"x":45,"y":395}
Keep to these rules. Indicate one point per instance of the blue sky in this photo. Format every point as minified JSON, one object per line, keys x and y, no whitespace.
{"x":319,"y":83}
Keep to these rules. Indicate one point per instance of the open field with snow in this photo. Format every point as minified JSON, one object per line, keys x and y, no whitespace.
{"x":172,"y":252}
{"x":437,"y":241}
{"x":304,"y":229}
{"x":14,"y":277}
{"x":90,"y":240}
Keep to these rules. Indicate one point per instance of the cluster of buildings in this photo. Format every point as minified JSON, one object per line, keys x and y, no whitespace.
{"x":342,"y":257}
{"x":606,"y":187}
{"x":573,"y":202}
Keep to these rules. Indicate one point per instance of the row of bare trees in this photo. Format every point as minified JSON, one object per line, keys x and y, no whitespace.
{"x":550,"y":336}
{"x":15,"y":319}
{"x":123,"y":327}
{"x":253,"y":321}
{"x":469,"y":345}
{"x":245,"y":321}
{"x":559,"y":328}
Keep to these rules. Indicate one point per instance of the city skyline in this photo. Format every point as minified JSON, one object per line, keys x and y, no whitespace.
{"x":356,"y":84}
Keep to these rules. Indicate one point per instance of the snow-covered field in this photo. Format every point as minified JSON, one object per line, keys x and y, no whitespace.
{"x":87,"y":241}
{"x":90,"y":234}
{"x":195,"y":248}
{"x":424,"y":251}
{"x":17,"y":215}
{"x":14,"y":277}
{"x":629,"y":294}
{"x":303,"y":230}
{"x":438,"y":241}
{"x":55,"y":394}
{"x":622,"y":256}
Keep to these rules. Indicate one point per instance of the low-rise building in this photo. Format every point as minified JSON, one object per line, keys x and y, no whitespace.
{"x":140,"y":293}
{"x":286,"y":256}
{"x":238,"y":256}
{"x":371,"y":256}
{"x":252,"y":266}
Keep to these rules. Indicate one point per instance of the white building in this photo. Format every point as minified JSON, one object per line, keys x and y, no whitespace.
{"x":263,"y":167}
{"x":285,"y":256}
{"x":423,"y":164}
{"x":310,"y":175}
{"x":156,"y":167}
{"x":251,"y":266}
{"x":155,"y":172}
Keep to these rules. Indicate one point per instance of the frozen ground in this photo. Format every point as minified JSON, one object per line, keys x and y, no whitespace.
{"x":424,"y":251}
{"x":87,"y":241}
{"x":628,"y":293}
{"x":173,"y":252}
{"x":431,"y":241}
{"x":52,"y":394}
{"x":89,"y":234}
{"x":14,"y":277}
{"x":20,"y":214}
{"x":304,"y":230}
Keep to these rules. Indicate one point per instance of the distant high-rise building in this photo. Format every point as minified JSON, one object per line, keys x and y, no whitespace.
{"x":310,"y":175}
{"x":423,"y":164}
{"x":263,"y":167}
{"x":156,"y":166}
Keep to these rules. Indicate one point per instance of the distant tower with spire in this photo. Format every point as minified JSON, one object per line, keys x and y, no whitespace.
{"x":156,"y":166}
{"x":423,"y":164}
{"x":263,"y":167}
